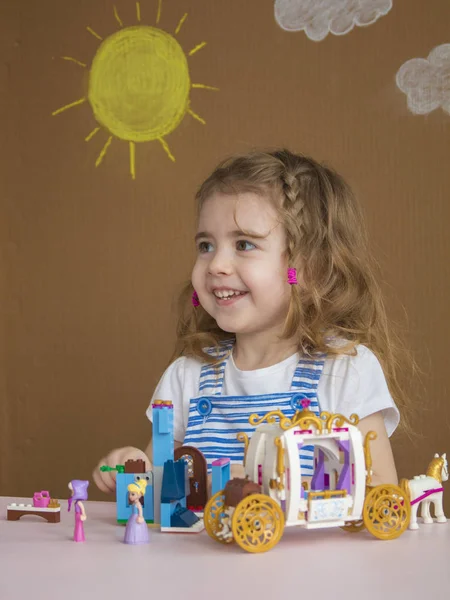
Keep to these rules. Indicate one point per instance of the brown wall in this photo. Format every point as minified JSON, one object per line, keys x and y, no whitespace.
{"x":92,"y":260}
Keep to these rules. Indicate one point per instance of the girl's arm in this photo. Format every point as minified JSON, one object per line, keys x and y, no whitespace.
{"x":83,"y":512}
{"x":383,"y":465}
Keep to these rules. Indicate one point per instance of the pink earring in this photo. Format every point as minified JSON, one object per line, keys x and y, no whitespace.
{"x":195,"y":300}
{"x":292,"y":276}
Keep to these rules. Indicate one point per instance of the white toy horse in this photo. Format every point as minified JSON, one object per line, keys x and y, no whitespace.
{"x":427,"y":489}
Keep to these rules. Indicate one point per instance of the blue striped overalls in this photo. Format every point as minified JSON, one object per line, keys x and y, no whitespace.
{"x":215,"y":420}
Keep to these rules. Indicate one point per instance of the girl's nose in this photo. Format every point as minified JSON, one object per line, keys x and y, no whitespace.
{"x":220,"y":264}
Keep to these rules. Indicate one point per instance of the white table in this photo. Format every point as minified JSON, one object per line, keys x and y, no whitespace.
{"x":39,"y":560}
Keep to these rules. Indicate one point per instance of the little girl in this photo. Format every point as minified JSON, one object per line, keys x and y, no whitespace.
{"x":282,"y":305}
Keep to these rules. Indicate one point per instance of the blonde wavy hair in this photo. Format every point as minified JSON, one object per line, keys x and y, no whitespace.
{"x":338,"y":296}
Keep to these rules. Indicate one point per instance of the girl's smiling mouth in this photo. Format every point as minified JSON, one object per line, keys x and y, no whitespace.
{"x":227,"y":296}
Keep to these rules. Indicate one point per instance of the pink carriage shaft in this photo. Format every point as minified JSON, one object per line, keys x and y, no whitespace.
{"x":427,"y":493}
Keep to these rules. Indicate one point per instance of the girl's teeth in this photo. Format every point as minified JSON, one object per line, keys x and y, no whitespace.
{"x":227,"y":294}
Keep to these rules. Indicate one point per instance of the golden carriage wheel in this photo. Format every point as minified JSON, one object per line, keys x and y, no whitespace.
{"x":386,"y":511}
{"x":354,"y":526}
{"x":212,"y":517}
{"x":258,"y":523}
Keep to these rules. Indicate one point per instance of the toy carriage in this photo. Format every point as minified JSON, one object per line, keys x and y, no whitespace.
{"x":277,"y":492}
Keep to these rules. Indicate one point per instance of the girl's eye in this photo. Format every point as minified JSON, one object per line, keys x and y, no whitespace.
{"x":244,"y":245}
{"x":204,"y":247}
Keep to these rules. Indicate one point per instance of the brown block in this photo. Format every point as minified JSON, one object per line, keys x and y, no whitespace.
{"x":135,"y":466}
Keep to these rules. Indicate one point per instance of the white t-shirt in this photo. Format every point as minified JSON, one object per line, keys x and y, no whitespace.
{"x":348,"y":384}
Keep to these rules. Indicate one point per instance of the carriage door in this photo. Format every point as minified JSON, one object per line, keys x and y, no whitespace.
{"x":197,"y":473}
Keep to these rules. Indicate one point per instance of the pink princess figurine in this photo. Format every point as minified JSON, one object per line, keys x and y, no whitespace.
{"x":136,"y":531}
{"x":78,"y":488}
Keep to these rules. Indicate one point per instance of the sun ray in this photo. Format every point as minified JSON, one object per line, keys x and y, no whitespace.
{"x":165,"y":145}
{"x":67,"y":106}
{"x":91,"y":135}
{"x":104,"y":150}
{"x":158,"y":14}
{"x":197,"y":48}
{"x":180,"y":24}
{"x":118,"y":19}
{"x":133,"y":160}
{"x":138,"y":11}
{"x":196,"y":116}
{"x":94,"y":33}
{"x":201,"y":86}
{"x":77,"y":62}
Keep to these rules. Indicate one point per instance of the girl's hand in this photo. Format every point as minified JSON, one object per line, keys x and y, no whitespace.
{"x":82,"y":517}
{"x":106,"y":480}
{"x":237,"y":471}
{"x":139,"y":520}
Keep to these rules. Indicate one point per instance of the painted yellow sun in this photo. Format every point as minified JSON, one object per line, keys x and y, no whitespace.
{"x":139,"y":85}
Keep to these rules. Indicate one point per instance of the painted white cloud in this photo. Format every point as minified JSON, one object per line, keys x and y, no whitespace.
{"x":426,"y":81}
{"x":317,"y":18}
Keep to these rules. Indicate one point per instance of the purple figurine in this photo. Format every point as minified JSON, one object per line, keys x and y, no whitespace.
{"x":78,"y":488}
{"x":136,"y":531}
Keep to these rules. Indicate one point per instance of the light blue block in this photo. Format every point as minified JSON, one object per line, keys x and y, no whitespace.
{"x":221,"y":473}
{"x":162,"y":439}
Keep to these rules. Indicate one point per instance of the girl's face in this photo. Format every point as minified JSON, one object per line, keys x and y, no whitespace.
{"x":133,"y":496}
{"x":241,"y":278}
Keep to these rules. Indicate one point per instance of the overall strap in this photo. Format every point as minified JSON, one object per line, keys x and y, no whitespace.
{"x":306,"y":378}
{"x":212,"y":375}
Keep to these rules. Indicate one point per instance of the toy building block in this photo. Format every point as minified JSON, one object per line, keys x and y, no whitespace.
{"x":123,"y":479}
{"x":51,"y":513}
{"x":175,"y":516}
{"x":134,"y":466}
{"x":163,"y":448}
{"x":221,"y":473}
{"x":177,"y":483}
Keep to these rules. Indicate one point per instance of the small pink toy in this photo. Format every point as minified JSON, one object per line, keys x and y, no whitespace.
{"x":78,"y":488}
{"x":41,"y":499}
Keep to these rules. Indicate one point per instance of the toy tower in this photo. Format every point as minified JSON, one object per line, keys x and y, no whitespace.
{"x":163,"y":448}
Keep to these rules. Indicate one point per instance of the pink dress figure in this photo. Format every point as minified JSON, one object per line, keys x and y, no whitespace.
{"x":78,"y":488}
{"x":136,"y":531}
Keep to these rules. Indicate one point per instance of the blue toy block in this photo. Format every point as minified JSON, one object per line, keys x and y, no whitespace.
{"x":221,"y":473}
{"x":183,"y":517}
{"x":168,"y":510}
{"x":163,"y":445}
{"x":166,"y":513}
{"x":174,"y":512}
{"x":173,"y":484}
{"x":164,"y":422}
